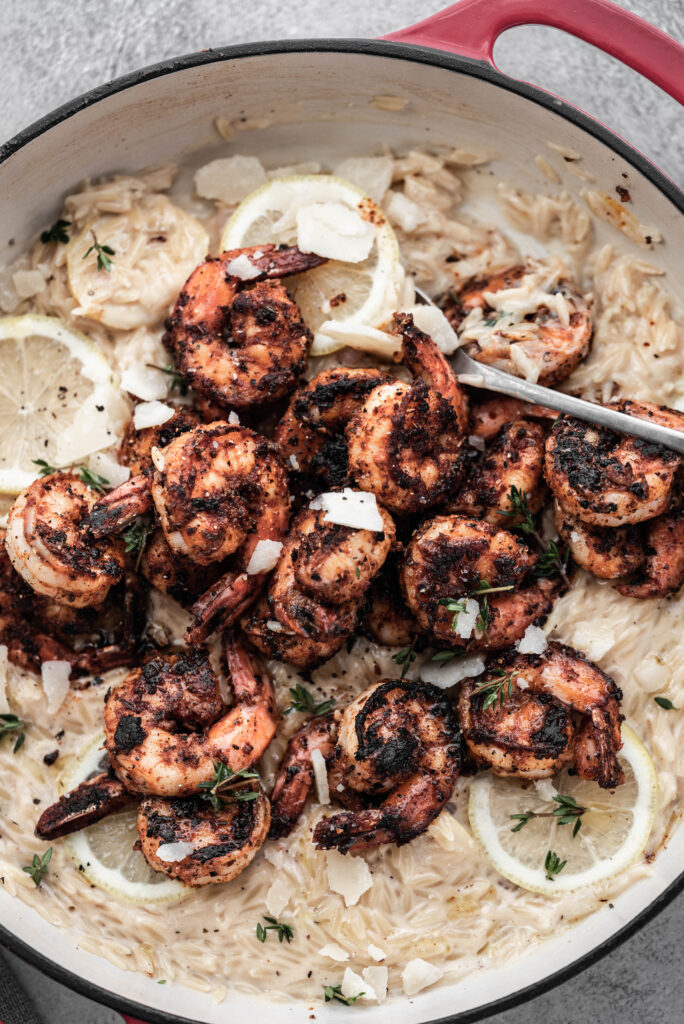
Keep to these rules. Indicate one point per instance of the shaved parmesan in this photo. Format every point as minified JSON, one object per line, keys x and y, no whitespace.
{"x":533,"y":642}
{"x":243,"y":268}
{"x":55,"y":678}
{"x":320,"y":771}
{"x":372,"y":174}
{"x":279,"y":895}
{"x":172,"y":853}
{"x":4,"y":703}
{"x":355,"y":509}
{"x":349,"y":876}
{"x":106,"y":466}
{"x":145,"y":383}
{"x":230,"y":179}
{"x":449,"y":834}
{"x":375,"y":980}
{"x":433,"y":322}
{"x":28,"y":283}
{"x":293,"y":462}
{"x":418,"y":974}
{"x":354,"y":985}
{"x":595,"y":640}
{"x":151,"y":414}
{"x":376,"y":953}
{"x":334,"y":952}
{"x":264,"y":557}
{"x":522,"y":683}
{"x":448,"y":674}
{"x":275,"y":626}
{"x":652,"y":674}
{"x":404,"y":212}
{"x":465,"y":620}
{"x":367,"y":339}
{"x":335,"y":231}
{"x":234,"y":418}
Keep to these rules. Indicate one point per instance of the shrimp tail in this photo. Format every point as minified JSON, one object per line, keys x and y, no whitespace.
{"x":89,"y":802}
{"x":426,"y":362}
{"x":295,"y":774}
{"x":222,"y":604}
{"x":280,"y":262}
{"x":121,"y":506}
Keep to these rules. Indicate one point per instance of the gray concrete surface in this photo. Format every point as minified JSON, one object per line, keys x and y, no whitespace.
{"x":51,"y":50}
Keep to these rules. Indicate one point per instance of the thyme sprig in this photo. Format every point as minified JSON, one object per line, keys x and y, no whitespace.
{"x":567,"y":812}
{"x":103,"y":254}
{"x":552,"y":561}
{"x":459,"y":604}
{"x":94,"y":480}
{"x":177,"y":381}
{"x":11,"y":725}
{"x":553,"y":865}
{"x":135,"y":538}
{"x":57,"y":233}
{"x":303,"y":700}
{"x":405,"y":658}
{"x":285,"y":931}
{"x":331,"y":992}
{"x":496,"y":689}
{"x":229,"y":785}
{"x":38,"y":867}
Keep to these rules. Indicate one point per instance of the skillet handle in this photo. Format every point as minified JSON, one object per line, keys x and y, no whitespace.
{"x":470,"y":28}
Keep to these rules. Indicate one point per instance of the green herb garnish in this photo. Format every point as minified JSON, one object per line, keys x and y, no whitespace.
{"x":405,"y":657}
{"x":303,"y":700}
{"x":37,"y":869}
{"x":285,"y":931}
{"x":567,"y":812}
{"x":135,"y":538}
{"x":103,"y":254}
{"x":94,"y":480}
{"x":177,"y":381}
{"x":496,"y":689}
{"x":553,"y":865}
{"x":665,"y":703}
{"x":57,"y":233}
{"x":44,"y":468}
{"x":227,"y":784}
{"x":10,"y":725}
{"x":331,"y":992}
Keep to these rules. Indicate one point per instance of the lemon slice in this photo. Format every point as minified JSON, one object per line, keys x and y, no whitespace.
{"x":58,"y":401}
{"x":349,"y":295}
{"x":105,"y":853}
{"x":613,"y":834}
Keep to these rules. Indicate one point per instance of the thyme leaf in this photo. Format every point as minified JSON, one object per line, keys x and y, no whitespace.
{"x":331,"y":992}
{"x":38,"y":867}
{"x":103,"y":254}
{"x":285,"y":931}
{"x":11,"y":725}
{"x":405,"y":657}
{"x":665,"y":703}
{"x":303,"y":700}
{"x":496,"y":689}
{"x":225,"y":783}
{"x":56,"y":233}
{"x":553,"y":865}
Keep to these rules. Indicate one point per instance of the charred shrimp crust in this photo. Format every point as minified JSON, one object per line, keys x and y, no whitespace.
{"x":607,"y":552}
{"x":312,"y":430}
{"x":661,"y":573}
{"x":526,"y":735}
{"x":608,"y":479}
{"x":225,"y":841}
{"x":515,"y":458}
{"x":398,"y":755}
{"x":236,"y":342}
{"x":135,"y":447}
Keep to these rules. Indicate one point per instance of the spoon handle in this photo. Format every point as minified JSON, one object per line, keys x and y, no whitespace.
{"x":497,"y":380}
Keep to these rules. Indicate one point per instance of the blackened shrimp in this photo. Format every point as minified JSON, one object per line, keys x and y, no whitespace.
{"x":662,"y":572}
{"x":235,"y":334}
{"x":530,"y":321}
{"x":135,"y":448}
{"x":406,"y":442}
{"x":513,"y":462}
{"x":50,"y":546}
{"x":295,"y":773}
{"x":490,"y":415}
{"x":608,"y":553}
{"x":222,"y":488}
{"x":314,"y":595}
{"x":399,"y":751}
{"x":220,"y":843}
{"x":527,"y":730}
{"x":172,"y":574}
{"x":311,"y":432}
{"x":387,"y":617}
{"x":608,"y":479}
{"x":166,"y":724}
{"x":450,"y":561}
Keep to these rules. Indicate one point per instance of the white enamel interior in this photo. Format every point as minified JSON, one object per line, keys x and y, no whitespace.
{"x":319,"y":104}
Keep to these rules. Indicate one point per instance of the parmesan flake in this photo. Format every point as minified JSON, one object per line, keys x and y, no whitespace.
{"x":418,"y":974}
{"x":151,"y":414}
{"x":533,"y":642}
{"x":173,"y":853}
{"x":264,"y":557}
{"x":335,"y":231}
{"x":354,"y":985}
{"x":355,"y":509}
{"x":279,"y":895}
{"x":320,"y":771}
{"x":375,"y":980}
{"x":243,"y":268}
{"x":375,"y":953}
{"x":145,"y":383}
{"x":334,"y":952}
{"x":55,"y":679}
{"x":349,"y":876}
{"x":451,"y":672}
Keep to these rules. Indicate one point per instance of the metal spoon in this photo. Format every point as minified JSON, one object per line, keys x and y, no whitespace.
{"x":492,"y":379}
